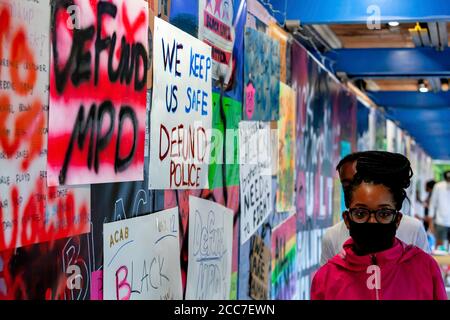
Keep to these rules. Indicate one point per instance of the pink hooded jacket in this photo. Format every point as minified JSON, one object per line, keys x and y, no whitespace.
{"x":404,"y":272}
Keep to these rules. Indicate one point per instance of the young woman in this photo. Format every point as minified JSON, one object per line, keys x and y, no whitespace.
{"x":374,"y":264}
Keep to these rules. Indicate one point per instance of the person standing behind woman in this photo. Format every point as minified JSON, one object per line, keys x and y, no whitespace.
{"x":374,"y":264}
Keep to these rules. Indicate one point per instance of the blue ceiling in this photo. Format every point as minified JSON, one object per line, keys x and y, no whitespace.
{"x":358,"y":11}
{"x":429,"y":125}
{"x":391,"y":62}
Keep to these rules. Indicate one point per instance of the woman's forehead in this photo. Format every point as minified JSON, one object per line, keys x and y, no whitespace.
{"x":372,"y":194}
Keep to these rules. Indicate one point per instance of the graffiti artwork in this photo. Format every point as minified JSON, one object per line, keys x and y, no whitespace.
{"x":30,"y":212}
{"x":98,"y":92}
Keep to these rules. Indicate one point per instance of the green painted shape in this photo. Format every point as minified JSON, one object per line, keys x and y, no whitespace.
{"x":278,"y":270}
{"x":233,"y":115}
{"x":233,"y":291}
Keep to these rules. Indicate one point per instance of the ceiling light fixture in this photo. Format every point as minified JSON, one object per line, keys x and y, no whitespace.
{"x":393,"y":24}
{"x":422,"y":86}
{"x":444,"y":85}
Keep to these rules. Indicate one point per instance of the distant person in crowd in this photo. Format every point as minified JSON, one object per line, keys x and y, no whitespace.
{"x":375,"y":265}
{"x":440,"y":209}
{"x":426,"y":203}
{"x":411,"y":230}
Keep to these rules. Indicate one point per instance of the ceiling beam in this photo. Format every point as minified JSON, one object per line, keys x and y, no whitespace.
{"x":358,"y":12}
{"x":411,"y":99}
{"x":391,"y":62}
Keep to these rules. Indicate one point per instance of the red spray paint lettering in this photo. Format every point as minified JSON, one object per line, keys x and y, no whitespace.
{"x":122,"y":284}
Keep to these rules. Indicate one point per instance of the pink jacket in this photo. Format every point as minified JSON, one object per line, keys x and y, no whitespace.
{"x":403,"y":272}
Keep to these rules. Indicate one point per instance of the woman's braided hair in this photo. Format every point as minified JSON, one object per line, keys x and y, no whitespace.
{"x":392,"y":170}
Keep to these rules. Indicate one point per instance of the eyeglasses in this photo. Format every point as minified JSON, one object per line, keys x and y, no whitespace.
{"x":362,"y":215}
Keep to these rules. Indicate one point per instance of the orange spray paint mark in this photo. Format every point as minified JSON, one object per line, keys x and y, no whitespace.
{"x":4,"y":26}
{"x":20,"y":52}
{"x":28,"y":127}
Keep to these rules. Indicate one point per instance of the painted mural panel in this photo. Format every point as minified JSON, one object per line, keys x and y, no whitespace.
{"x":345,"y":106}
{"x":316,"y":98}
{"x":380,"y":131}
{"x":391,"y":136}
{"x":261,"y":76}
{"x":284,"y":261}
{"x":364,"y":139}
{"x":326,"y":116}
{"x":286,"y":150}
{"x":282,"y":37}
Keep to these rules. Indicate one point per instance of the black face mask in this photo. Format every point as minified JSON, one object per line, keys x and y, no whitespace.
{"x":372,"y":237}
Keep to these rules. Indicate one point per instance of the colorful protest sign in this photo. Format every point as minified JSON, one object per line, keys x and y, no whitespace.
{"x":30,"y":211}
{"x":216,"y":28}
{"x":141,"y":258}
{"x":210,"y":250}
{"x":261,"y":76}
{"x":98,"y":92}
{"x":181,"y":112}
{"x":286,"y":149}
{"x":277,"y":33}
{"x":255,"y":175}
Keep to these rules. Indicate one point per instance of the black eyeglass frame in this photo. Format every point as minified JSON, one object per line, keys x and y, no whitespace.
{"x":377,"y":213}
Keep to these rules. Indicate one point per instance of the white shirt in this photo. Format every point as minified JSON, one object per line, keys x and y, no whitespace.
{"x":410,"y":231}
{"x":440,"y":203}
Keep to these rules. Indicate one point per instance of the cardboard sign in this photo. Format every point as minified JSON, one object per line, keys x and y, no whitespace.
{"x":255,"y":175}
{"x":210,"y":250}
{"x":181,"y":115}
{"x":259,"y":269}
{"x":141,"y":258}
